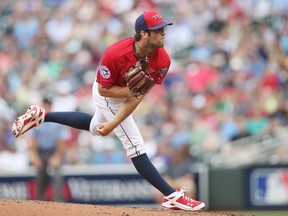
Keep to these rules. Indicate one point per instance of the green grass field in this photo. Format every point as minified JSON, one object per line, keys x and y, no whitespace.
{"x":266,"y":213}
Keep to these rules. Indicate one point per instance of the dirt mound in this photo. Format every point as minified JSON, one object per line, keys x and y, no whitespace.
{"x":42,"y":208}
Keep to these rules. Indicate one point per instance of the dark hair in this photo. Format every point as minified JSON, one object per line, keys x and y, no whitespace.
{"x":138,"y":36}
{"x":48,"y":99}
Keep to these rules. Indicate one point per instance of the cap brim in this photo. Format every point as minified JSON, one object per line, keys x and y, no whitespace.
{"x":160,"y":25}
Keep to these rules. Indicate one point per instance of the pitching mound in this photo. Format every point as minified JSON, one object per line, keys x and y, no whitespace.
{"x":41,"y":208}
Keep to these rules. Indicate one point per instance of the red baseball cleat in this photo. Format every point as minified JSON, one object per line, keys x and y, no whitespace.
{"x":178,"y":201}
{"x":33,"y":117}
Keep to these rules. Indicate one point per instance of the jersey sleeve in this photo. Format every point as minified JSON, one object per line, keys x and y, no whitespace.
{"x":107,"y":71}
{"x":164,"y":62}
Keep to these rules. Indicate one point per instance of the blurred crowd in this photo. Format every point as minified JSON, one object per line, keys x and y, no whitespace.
{"x":228,"y":78}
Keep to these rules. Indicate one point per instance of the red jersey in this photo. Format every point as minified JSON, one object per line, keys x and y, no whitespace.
{"x":121,"y":56}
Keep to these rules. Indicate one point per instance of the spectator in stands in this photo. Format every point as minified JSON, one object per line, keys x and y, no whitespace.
{"x":178,"y":170}
{"x":241,"y":29}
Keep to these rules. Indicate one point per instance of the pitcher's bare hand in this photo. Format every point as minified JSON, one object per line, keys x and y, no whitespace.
{"x":105,"y":128}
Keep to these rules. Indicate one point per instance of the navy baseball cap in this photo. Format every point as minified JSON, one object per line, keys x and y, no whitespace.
{"x":150,"y":20}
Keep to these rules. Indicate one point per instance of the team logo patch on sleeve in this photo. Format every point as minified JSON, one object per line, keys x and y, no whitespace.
{"x":162,"y":72}
{"x":104,"y":72}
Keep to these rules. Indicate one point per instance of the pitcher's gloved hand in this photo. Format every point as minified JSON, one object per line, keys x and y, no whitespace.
{"x":138,"y":79}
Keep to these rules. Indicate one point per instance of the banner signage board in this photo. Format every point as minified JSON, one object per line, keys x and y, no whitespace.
{"x":101,"y":184}
{"x":267,"y":187}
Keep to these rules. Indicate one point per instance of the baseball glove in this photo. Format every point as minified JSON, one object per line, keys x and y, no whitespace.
{"x":138,"y":79}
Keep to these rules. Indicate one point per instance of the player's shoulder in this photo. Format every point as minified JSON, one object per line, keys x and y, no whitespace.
{"x":163,"y":53}
{"x":121,"y":47}
{"x":163,"y":56}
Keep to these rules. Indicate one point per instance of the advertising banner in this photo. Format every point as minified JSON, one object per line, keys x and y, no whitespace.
{"x":109,"y":189}
{"x":97,"y":184}
{"x":267,"y":187}
{"x":20,"y":186}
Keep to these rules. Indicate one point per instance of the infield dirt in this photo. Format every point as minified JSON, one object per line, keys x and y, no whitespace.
{"x":44,"y":208}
